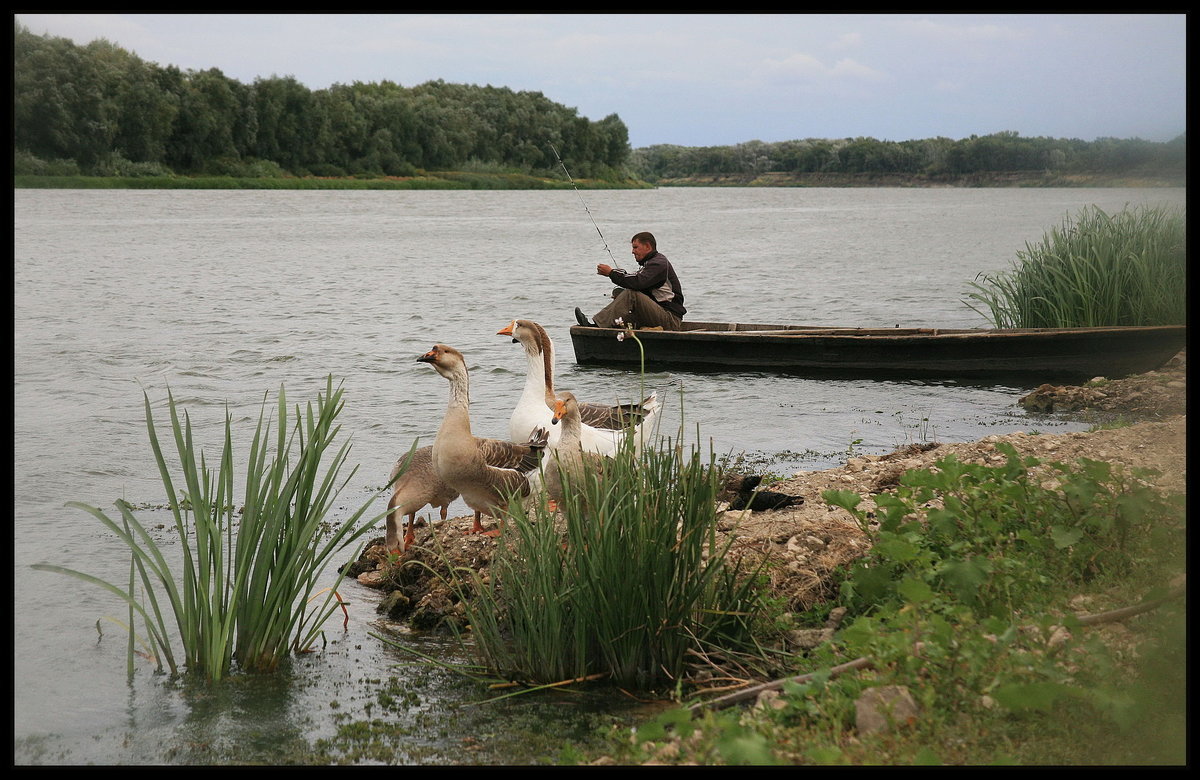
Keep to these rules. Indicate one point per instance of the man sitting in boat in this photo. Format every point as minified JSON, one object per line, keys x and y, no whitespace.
{"x":652,"y":297}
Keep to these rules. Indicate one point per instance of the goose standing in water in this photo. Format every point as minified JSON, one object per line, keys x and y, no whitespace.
{"x":602,"y":426}
{"x":418,"y":486}
{"x":485,"y":472}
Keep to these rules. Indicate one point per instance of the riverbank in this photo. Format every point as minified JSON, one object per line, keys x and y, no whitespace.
{"x":989,"y":179}
{"x":1141,"y":423}
{"x":997,"y":179}
{"x":433,"y":180}
{"x":469,"y":180}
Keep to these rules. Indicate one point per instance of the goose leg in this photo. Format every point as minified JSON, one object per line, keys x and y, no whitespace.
{"x":478,"y":528}
{"x":410,"y":538}
{"x":393,"y":533}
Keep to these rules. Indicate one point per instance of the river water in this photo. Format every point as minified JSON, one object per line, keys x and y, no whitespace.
{"x":223,"y":297}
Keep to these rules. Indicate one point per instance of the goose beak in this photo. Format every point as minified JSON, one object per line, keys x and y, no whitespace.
{"x":560,"y":411}
{"x":507,"y":330}
{"x":429,"y":357}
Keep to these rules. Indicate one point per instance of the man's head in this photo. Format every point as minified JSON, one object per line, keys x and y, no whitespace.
{"x":643,"y":245}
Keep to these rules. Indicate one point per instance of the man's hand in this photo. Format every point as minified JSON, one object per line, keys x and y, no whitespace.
{"x":603,"y":269}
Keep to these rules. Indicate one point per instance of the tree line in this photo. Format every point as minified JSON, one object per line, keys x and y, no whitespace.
{"x":98,"y":109}
{"x":1003,"y":152}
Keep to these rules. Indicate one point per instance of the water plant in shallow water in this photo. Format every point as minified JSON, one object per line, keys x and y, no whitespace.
{"x":1128,"y":268}
{"x":245,"y":589}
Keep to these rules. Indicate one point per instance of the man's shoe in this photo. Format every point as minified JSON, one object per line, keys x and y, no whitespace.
{"x":582,"y":320}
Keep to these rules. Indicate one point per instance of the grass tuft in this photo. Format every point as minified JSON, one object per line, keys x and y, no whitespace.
{"x":625,"y":584}
{"x":245,"y":588}
{"x":1124,"y":269}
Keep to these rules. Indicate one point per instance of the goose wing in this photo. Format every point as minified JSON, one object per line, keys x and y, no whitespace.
{"x":618,"y":416}
{"x":522,"y":458}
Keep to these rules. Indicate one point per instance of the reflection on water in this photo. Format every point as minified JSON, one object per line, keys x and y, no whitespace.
{"x":224,"y":297}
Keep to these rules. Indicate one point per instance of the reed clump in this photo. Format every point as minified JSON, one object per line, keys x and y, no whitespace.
{"x":1098,"y":269}
{"x":244,"y":588}
{"x":628,"y":582}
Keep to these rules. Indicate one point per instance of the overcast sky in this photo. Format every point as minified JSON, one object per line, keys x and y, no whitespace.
{"x":709,"y":80}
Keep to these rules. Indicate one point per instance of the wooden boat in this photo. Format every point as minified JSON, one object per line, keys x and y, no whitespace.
{"x":1027,"y":356}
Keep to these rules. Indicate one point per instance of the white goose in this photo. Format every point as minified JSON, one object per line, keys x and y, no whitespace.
{"x":568,"y":458}
{"x":484,"y":471}
{"x":417,"y":487}
{"x":602,"y":427}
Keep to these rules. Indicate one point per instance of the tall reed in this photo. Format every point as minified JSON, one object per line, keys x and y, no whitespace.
{"x":1128,"y":268}
{"x":244,"y":588}
{"x":631,"y":578}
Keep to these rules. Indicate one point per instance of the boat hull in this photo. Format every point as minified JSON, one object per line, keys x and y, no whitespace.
{"x":1034,"y":355}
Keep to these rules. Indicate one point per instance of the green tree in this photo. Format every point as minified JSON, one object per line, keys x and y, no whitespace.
{"x":59,"y":110}
{"x":204,"y":131}
{"x":288,"y":123}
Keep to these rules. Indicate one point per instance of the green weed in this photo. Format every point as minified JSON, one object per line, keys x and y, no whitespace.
{"x":244,"y":589}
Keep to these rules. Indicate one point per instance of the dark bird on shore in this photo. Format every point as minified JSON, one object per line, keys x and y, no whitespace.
{"x":742,"y":492}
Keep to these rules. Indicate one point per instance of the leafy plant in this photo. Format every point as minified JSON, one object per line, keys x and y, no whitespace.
{"x":991,"y":537}
{"x":244,"y":588}
{"x":968,"y":560}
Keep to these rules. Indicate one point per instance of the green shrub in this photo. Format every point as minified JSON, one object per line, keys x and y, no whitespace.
{"x":996,"y":541}
{"x":326,"y":169}
{"x":116,"y":165}
{"x":245,"y":168}
{"x":26,"y":164}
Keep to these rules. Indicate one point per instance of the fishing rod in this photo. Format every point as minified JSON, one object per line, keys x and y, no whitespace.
{"x":585,"y":206}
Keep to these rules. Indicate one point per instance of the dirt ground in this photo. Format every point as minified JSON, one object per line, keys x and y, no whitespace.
{"x":810,"y":541}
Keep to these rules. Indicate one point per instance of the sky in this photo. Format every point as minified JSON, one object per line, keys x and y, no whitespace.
{"x":720,"y":79}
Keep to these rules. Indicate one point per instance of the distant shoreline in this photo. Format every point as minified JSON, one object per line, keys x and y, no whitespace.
{"x":997,"y":179}
{"x":458,"y":180}
{"x":440,"y":180}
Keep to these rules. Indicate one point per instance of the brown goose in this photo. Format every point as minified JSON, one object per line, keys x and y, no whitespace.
{"x":485,"y":472}
{"x":417,"y":487}
{"x":568,"y":458}
{"x":602,"y":426}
